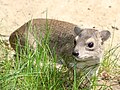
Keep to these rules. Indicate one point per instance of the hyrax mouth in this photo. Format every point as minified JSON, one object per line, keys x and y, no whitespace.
{"x":84,"y":59}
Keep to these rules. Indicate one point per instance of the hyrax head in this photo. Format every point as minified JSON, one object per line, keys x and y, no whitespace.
{"x":88,"y":44}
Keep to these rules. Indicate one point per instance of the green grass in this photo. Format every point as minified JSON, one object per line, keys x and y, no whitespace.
{"x":111,"y":58}
{"x":37,"y":70}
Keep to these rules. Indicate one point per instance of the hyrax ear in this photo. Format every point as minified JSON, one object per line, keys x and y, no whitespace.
{"x":77,"y":30}
{"x":105,"y":34}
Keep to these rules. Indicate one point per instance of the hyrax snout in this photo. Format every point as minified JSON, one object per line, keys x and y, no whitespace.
{"x":86,"y":45}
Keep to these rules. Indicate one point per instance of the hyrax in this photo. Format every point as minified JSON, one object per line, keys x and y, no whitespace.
{"x":86,"y":45}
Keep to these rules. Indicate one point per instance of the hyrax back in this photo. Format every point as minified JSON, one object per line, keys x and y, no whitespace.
{"x":61,"y":34}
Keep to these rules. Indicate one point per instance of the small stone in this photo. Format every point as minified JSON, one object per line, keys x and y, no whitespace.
{"x":109,"y":6}
{"x":113,"y":27}
{"x":88,"y":8}
{"x":105,"y":75}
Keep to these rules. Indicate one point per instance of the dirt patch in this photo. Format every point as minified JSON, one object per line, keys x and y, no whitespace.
{"x":85,"y":13}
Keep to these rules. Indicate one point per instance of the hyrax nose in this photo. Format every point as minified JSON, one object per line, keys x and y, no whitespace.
{"x":75,"y":53}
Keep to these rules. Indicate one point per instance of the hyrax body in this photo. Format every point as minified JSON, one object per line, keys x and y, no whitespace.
{"x":86,"y":45}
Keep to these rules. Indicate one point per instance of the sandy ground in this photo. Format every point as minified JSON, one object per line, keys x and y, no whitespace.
{"x":101,"y":14}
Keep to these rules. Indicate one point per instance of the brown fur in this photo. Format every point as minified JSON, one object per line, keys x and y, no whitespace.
{"x":61,"y":34}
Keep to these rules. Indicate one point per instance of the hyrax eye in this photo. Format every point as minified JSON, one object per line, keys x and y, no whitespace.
{"x":90,"y":45}
{"x":75,"y":42}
